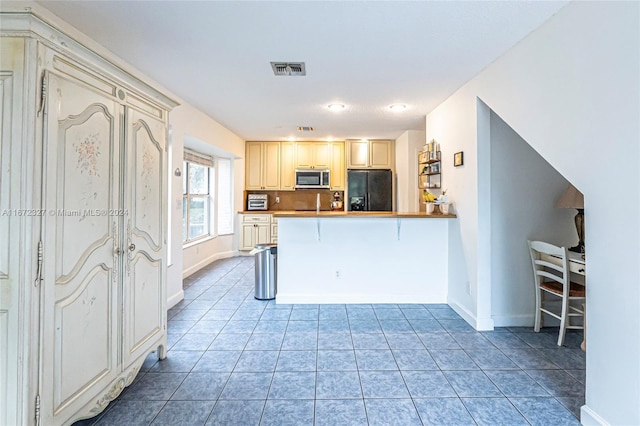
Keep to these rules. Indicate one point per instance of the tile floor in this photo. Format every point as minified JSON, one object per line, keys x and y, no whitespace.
{"x":234,"y":360}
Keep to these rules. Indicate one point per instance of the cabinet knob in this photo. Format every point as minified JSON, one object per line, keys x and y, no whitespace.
{"x":132,"y":247}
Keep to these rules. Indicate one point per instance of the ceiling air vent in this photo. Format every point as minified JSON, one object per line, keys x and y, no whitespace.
{"x":288,"y":68}
{"x":305,"y":129}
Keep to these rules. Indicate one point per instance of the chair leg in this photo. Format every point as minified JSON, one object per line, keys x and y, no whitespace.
{"x":563,"y":321}
{"x":538,"y":319}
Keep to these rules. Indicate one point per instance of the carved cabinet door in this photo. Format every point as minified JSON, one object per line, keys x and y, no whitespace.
{"x":80,"y":277}
{"x":144,"y":319}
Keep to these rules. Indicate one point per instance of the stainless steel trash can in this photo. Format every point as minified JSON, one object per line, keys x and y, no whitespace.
{"x":266,"y":256}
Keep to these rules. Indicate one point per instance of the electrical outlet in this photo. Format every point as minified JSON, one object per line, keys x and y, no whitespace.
{"x":277,"y":200}
{"x":337,"y":274}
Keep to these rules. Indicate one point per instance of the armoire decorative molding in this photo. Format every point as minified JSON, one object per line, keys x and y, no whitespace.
{"x":83,"y":223}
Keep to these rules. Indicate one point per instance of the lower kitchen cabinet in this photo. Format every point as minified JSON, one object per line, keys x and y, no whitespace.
{"x":256,"y":229}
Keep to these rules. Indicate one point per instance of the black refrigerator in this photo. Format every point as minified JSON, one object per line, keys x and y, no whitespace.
{"x":369,"y":190}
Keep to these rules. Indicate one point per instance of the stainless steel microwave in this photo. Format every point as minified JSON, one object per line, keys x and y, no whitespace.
{"x":312,"y":178}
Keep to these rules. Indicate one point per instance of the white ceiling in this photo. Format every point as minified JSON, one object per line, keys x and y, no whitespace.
{"x":367,"y":55}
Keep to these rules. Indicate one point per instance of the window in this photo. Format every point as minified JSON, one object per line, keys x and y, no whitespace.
{"x":207,"y":202}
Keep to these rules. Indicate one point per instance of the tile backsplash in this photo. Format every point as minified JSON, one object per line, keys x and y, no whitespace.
{"x":301,"y":199}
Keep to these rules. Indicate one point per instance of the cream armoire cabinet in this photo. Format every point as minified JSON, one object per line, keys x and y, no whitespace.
{"x":83,"y":202}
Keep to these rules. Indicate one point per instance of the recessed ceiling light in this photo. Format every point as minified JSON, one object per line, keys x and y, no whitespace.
{"x":336,"y":107}
{"x":397,"y":107}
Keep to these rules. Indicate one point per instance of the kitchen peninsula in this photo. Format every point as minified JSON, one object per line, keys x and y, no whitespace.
{"x":362,"y":257}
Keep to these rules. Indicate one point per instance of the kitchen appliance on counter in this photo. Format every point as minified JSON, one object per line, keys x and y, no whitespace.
{"x":312,"y":178}
{"x":257,"y":202}
{"x":370,"y":190}
{"x":336,"y":204}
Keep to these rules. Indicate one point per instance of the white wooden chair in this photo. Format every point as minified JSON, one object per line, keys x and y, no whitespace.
{"x":551,"y":274}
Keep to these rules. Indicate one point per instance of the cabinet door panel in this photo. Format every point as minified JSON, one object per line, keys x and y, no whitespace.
{"x":358,"y":154}
{"x":337,"y":166}
{"x":144,"y":320}
{"x":253,"y":165}
{"x":380,"y":155}
{"x":147,"y":181}
{"x":84,"y":313}
{"x":304,"y":155}
{"x":248,"y":240}
{"x":271,"y":165}
{"x":143,"y":313}
{"x":321,"y":155}
{"x":287,"y":166}
{"x":263,"y":236}
{"x":80,"y":270}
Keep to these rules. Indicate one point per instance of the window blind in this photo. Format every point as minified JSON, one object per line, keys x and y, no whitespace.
{"x":198,"y":158}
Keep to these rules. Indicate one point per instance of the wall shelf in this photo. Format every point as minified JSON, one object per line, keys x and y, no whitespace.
{"x":429,"y":170}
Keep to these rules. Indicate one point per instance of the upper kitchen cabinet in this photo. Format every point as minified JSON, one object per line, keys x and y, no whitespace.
{"x":287,"y":166}
{"x":337,"y":166}
{"x":262,"y":166}
{"x":370,"y":154}
{"x":313,"y":155}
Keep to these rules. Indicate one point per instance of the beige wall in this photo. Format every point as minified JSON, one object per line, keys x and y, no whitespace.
{"x":571,"y":90}
{"x":196,"y":130}
{"x":407,"y":147}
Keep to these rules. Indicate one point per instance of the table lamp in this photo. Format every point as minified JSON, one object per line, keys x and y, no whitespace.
{"x":573,"y":199}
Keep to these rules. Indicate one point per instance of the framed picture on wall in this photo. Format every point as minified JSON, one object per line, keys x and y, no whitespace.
{"x":458,"y":159}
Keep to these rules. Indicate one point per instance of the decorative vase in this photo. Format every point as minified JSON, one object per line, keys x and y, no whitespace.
{"x":430,"y":207}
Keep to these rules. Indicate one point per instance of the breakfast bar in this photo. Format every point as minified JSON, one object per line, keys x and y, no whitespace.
{"x":362,"y":257}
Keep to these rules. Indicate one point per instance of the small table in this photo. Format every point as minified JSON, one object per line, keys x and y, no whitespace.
{"x":577,"y":265}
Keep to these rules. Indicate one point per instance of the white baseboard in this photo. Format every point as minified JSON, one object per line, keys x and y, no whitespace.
{"x":463,"y":312}
{"x":175,"y":299}
{"x":484,"y":324}
{"x":204,"y":262}
{"x":291,"y":298}
{"x":589,"y":418}
{"x":513,"y":320}
{"x":480,"y":324}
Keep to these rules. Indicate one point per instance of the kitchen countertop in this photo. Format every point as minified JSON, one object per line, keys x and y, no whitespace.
{"x":340,"y":213}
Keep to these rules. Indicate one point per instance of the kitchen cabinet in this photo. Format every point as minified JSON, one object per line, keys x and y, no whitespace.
{"x":86,"y":277}
{"x":287,"y":166}
{"x":313,"y":155}
{"x":271,"y":166}
{"x":337,"y":168}
{"x":262,"y":165}
{"x":255,"y":229}
{"x":370,"y":154}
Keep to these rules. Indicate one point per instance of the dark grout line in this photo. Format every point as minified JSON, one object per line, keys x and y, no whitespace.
{"x":231,"y":289}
